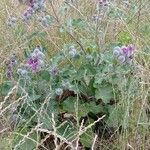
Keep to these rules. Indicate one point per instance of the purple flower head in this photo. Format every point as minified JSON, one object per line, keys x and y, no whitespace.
{"x":36,"y":60}
{"x":128,"y":50}
{"x":33,"y":63}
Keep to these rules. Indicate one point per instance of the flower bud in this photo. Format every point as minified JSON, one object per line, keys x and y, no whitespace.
{"x":72,"y":53}
{"x":116,"y":53}
{"x":121,"y":59}
{"x":22,"y":72}
{"x":59,"y":91}
{"x":11,"y":21}
{"x":54,"y":71}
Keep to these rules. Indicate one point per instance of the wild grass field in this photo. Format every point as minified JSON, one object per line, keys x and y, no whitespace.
{"x":74,"y":75}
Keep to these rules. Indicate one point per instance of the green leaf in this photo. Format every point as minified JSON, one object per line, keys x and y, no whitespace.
{"x":69,"y":104}
{"x":98,"y":80}
{"x":105,"y":93}
{"x":85,"y":108}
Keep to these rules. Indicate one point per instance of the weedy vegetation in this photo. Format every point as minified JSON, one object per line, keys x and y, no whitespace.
{"x":75,"y":75}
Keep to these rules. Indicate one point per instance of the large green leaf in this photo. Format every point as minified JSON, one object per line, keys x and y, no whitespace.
{"x":105,"y":93}
{"x":69,"y":105}
{"x":85,"y":108}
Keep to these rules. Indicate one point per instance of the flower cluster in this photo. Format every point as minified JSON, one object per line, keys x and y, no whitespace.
{"x":36,"y":60}
{"x":124,"y":54}
{"x":34,"y":6}
{"x":10,"y":64}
